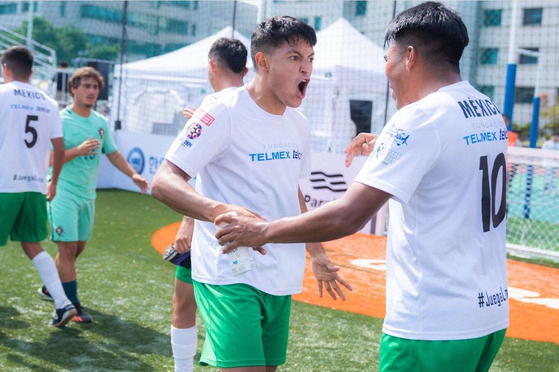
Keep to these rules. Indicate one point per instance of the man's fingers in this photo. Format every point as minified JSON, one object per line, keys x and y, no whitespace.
{"x":330,"y":291}
{"x":320,"y":286}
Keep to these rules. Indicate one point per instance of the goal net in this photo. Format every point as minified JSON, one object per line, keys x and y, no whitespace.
{"x":533,"y":202}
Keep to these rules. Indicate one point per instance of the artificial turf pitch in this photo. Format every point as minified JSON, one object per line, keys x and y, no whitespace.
{"x":127,"y":289}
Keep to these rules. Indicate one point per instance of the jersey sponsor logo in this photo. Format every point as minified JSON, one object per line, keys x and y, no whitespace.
{"x":101,"y":133}
{"x":28,"y":94}
{"x":484,"y":299}
{"x":136,"y":159}
{"x":478,"y":107}
{"x":276,"y":155}
{"x":474,"y":138}
{"x":204,"y":117}
{"x":186,"y":143}
{"x":59,"y":230}
{"x":400,"y":136}
{"x":194,"y":131}
{"x":42,"y":109}
{"x":22,"y":107}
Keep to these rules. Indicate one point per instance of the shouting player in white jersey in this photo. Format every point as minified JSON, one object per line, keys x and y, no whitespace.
{"x":250,"y":148}
{"x":29,"y":123}
{"x":441,"y":163}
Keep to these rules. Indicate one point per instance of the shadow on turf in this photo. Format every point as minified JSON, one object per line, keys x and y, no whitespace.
{"x":109,"y":343}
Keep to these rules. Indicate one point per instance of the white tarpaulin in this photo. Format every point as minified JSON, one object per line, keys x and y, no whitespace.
{"x":154,"y":91}
{"x":347,"y":66}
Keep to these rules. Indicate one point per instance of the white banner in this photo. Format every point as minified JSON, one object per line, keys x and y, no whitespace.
{"x":329,"y":178}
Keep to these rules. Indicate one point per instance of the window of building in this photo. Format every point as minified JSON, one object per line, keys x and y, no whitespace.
{"x":304,"y":19}
{"x":524,"y":94}
{"x":317,"y":23}
{"x":176,"y":26}
{"x":532,"y":17}
{"x":101,"y":13}
{"x":360,"y":8}
{"x":145,"y":21}
{"x":9,"y":8}
{"x":492,"y":17}
{"x":524,"y":59}
{"x":184,"y":4}
{"x":155,"y":4}
{"x":193,"y":30}
{"x":25,"y":6}
{"x":195,"y":3}
{"x":62,"y":9}
{"x":488,"y":56}
{"x":488,"y":90}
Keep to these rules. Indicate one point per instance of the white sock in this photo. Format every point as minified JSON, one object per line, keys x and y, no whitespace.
{"x":184,"y":342}
{"x":49,"y":275}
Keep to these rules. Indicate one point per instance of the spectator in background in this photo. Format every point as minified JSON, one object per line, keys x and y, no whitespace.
{"x":29,"y":124}
{"x":513,"y":141}
{"x":71,"y":214}
{"x":61,"y":79}
{"x":550,"y":164}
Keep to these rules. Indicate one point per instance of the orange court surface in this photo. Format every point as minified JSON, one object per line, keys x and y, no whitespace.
{"x":533,"y":289}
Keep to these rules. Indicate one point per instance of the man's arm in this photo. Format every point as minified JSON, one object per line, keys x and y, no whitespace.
{"x":333,"y":220}
{"x":170,"y":186}
{"x":118,"y":160}
{"x":57,"y":160}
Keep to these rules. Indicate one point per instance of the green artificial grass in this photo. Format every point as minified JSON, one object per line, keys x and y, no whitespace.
{"x":127,"y":289}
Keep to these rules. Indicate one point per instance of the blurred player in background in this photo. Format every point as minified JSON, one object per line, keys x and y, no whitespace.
{"x":250,"y":147}
{"x":444,"y":176}
{"x":29,"y":122}
{"x":71,"y":214}
{"x":226,"y":69}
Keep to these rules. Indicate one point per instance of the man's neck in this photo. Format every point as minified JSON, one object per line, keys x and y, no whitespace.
{"x":83,"y":111}
{"x":264,"y":97}
{"x":228,"y":82}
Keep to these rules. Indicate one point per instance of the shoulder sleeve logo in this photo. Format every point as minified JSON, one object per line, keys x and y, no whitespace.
{"x":194,"y":131}
{"x":204,"y":117}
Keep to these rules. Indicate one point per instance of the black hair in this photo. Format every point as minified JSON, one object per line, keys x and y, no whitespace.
{"x":438,"y":33}
{"x":62,"y":63}
{"x":272,"y":33}
{"x":20,"y":61}
{"x":230,"y":52}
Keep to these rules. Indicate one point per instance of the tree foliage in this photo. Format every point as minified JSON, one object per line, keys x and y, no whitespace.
{"x":69,"y":42}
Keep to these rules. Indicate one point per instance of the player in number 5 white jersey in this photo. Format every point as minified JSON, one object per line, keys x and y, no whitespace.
{"x":29,"y":123}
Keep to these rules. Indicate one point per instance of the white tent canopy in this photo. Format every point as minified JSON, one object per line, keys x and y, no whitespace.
{"x":347,"y":66}
{"x":155,"y":90}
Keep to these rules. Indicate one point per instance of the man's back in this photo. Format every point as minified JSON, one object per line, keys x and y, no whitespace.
{"x":449,"y":218}
{"x":28,"y":121}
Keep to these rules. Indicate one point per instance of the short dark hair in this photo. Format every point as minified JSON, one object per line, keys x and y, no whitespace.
{"x":20,"y":61}
{"x":62,"y":63}
{"x":437,"y":31}
{"x":272,"y":33}
{"x":230,"y":52}
{"x":84,"y":73}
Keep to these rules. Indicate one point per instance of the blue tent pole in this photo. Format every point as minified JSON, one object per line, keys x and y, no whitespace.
{"x":511,"y":66}
{"x":533,"y":139}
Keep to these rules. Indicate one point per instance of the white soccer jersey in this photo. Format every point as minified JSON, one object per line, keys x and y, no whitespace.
{"x":29,"y":119}
{"x":443,"y":159}
{"x":246,"y":156}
